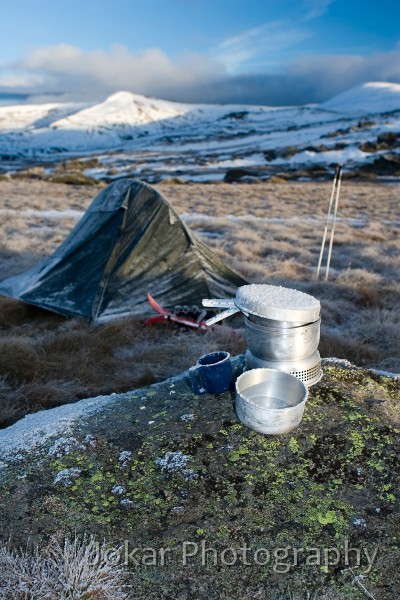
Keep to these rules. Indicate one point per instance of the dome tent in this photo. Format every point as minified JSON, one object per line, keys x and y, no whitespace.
{"x":130,"y":242}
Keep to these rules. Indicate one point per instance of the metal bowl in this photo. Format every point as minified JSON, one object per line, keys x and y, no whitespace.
{"x":270,"y":401}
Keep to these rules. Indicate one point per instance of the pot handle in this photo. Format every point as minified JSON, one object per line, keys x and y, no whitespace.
{"x":198,"y":383}
{"x":223,"y":315}
{"x":219,"y":302}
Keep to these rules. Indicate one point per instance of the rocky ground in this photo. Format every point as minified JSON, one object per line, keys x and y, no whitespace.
{"x":93,"y":171}
{"x":194,"y":503}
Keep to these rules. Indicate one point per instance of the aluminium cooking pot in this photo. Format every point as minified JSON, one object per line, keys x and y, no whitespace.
{"x":276,"y":343}
{"x":268,"y":302}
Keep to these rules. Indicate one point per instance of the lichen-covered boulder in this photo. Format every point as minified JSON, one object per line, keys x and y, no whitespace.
{"x":194,"y":504}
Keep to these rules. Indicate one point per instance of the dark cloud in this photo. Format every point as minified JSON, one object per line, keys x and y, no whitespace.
{"x":306,"y":80}
{"x":320,"y":78}
{"x":93,"y":75}
{"x":274,"y":90}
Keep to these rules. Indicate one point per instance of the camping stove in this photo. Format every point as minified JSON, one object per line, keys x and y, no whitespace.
{"x":307,"y":369}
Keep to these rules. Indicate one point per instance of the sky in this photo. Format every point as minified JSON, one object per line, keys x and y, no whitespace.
{"x":270,"y":52}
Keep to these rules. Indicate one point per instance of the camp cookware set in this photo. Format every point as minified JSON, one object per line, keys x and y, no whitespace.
{"x":282,"y":329}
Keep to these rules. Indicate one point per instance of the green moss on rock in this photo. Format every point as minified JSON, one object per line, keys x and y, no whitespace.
{"x":330,"y":484}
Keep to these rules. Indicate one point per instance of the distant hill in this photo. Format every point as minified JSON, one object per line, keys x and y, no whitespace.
{"x":374,"y":97}
{"x":141,"y":136}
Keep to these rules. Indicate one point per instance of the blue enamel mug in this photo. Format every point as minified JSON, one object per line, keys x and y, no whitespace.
{"x":212,"y":373}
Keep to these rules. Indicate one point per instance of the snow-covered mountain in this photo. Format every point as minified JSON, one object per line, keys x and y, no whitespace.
{"x":140,"y":136}
{"x":374,"y":97}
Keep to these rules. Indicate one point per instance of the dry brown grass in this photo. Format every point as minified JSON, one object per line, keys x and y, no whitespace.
{"x":270,"y":233}
{"x":55,"y":360}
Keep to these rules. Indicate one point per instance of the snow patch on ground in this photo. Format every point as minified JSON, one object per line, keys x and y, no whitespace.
{"x":37,"y":429}
{"x":34,"y":430}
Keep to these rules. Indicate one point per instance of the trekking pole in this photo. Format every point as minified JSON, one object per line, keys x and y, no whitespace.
{"x":339,"y":179}
{"x":326,"y":224}
{"x":335,"y":178}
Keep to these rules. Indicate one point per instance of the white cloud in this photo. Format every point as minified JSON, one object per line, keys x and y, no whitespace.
{"x":20,"y":80}
{"x":65,"y":68}
{"x":54,"y":59}
{"x":315,"y":8}
{"x":267,"y":40}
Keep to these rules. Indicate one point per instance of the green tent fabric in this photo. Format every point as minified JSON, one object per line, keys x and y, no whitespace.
{"x":130,"y":242}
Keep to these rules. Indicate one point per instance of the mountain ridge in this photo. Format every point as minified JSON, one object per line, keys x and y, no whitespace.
{"x":143,"y":136}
